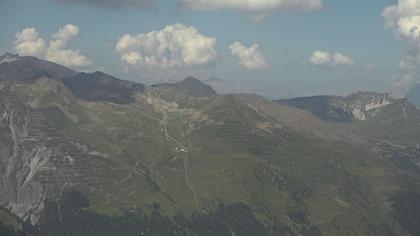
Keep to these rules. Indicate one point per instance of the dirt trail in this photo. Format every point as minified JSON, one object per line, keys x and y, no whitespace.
{"x":179,"y":145}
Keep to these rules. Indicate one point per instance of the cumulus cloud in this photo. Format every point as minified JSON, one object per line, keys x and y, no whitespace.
{"x":131,"y":58}
{"x":330,"y":61}
{"x":58,"y":53}
{"x":403,"y":19}
{"x":114,"y":4}
{"x":249,"y":57}
{"x":172,"y":47}
{"x":320,"y":58}
{"x":257,"y":8}
{"x":28,"y":42}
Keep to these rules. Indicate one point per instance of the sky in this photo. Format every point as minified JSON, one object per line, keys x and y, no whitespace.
{"x":308,"y":47}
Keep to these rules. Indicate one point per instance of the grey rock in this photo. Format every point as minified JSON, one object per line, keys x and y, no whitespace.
{"x":358,"y":106}
{"x":36,"y":163}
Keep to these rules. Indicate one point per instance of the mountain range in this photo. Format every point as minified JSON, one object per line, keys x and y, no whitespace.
{"x":91,"y":154}
{"x":230,"y":87}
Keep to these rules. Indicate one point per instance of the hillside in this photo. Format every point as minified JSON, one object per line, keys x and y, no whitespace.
{"x":96,"y":155}
{"x":99,"y":86}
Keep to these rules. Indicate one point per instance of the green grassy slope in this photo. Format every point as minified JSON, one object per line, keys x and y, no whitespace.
{"x":187,"y":155}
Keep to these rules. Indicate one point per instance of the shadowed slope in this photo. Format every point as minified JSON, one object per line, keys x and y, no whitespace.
{"x":99,"y":86}
{"x":14,"y":67}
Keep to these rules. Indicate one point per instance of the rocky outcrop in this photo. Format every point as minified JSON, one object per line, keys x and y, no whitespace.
{"x":36,"y":163}
{"x":18,"y":159}
{"x":358,"y":106}
{"x":361,"y":103}
{"x":8,"y":57}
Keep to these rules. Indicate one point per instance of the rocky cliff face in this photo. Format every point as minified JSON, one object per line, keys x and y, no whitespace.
{"x":36,"y":163}
{"x":358,"y":106}
{"x":8,"y":58}
{"x":18,"y":164}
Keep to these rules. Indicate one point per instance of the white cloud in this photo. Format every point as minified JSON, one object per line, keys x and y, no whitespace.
{"x":257,"y":8}
{"x":172,"y":47}
{"x":401,"y":85}
{"x":58,"y":53}
{"x":341,"y":60}
{"x":29,"y":43}
{"x":320,"y":58}
{"x":404,"y":20}
{"x":330,"y":61}
{"x":249,"y":57}
{"x":63,"y":36}
{"x":131,"y":58}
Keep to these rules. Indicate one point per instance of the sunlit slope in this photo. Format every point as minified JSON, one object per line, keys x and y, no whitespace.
{"x":188,"y":154}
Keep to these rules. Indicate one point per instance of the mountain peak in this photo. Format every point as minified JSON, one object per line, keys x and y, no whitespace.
{"x":191,"y":80}
{"x":100,"y":73}
{"x":196,"y":88}
{"x":99,"y":86}
{"x":15,"y":67}
{"x":8,"y":57}
{"x":190,"y":86}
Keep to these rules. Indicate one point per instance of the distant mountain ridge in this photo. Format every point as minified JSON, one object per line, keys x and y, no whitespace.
{"x":343,"y":109}
{"x":99,"y":86}
{"x":14,"y":67}
{"x":8,"y":57}
{"x":96,"y":86}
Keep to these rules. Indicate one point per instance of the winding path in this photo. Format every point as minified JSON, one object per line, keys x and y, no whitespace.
{"x":164,"y":122}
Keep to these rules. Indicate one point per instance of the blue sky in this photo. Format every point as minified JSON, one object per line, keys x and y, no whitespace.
{"x":286,"y":40}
